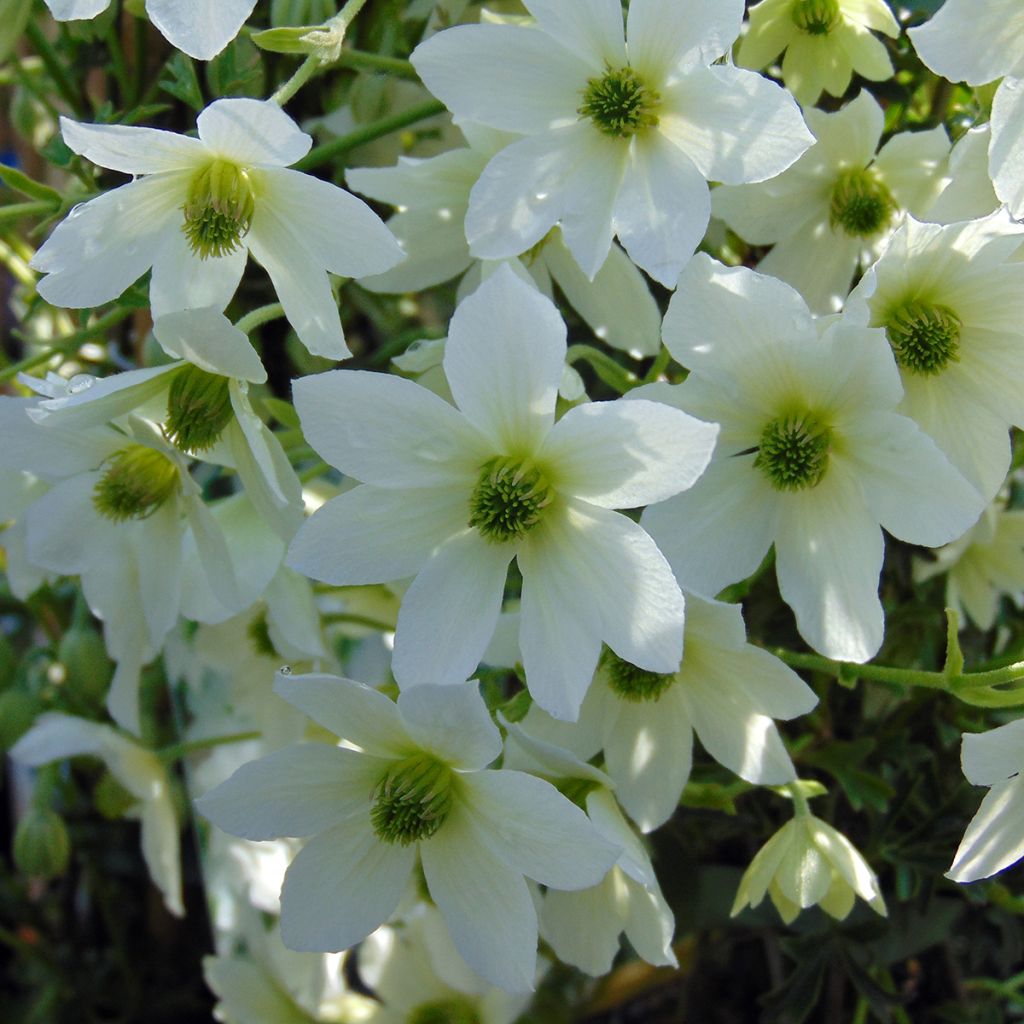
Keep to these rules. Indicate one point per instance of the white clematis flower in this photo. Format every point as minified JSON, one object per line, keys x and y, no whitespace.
{"x":978,"y":43}
{"x":808,"y":862}
{"x":836,"y":207}
{"x":56,"y":736}
{"x":825,"y":41}
{"x":812,"y":456}
{"x":727,"y":691}
{"x":623,"y":129}
{"x":198,"y":207}
{"x":200,"y":28}
{"x":413,"y":787}
{"x":951,"y":301}
{"x":451,"y":494}
{"x":433,"y":197}
{"x":995,"y":837}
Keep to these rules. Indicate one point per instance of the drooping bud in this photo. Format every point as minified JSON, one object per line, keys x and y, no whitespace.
{"x":509,"y":499}
{"x":619,"y":103}
{"x":219,"y":209}
{"x":413,"y":800}
{"x":445,"y":1011}
{"x":41,"y":844}
{"x":815,"y":17}
{"x":925,"y":337}
{"x":136,"y":481}
{"x":794,"y":452}
{"x":198,"y":409}
{"x":632,"y":683}
{"x":861,"y":205}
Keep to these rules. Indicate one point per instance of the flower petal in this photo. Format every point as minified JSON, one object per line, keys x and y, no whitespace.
{"x":994,"y":839}
{"x":207,"y":339}
{"x":131,"y":149}
{"x":250,"y":131}
{"x":452,"y":722}
{"x":201,"y":28}
{"x":591,"y":29}
{"x":994,"y":756}
{"x":1006,"y":151}
{"x":668,"y":36}
{"x":182,"y":280}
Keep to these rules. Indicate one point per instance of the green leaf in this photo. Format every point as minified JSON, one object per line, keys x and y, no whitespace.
{"x":13,"y":19}
{"x":182,"y":82}
{"x":285,"y":40}
{"x":237,"y":71}
{"x":22,"y":183}
{"x":282,"y":411}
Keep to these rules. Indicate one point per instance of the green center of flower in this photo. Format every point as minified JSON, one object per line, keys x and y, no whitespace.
{"x":259,"y":636}
{"x":413,"y":800}
{"x":815,"y":17}
{"x":925,"y":338}
{"x":861,"y":205}
{"x":619,"y":103}
{"x":793,"y":452}
{"x":509,"y":498}
{"x":219,"y":209}
{"x":445,"y":1011}
{"x":631,"y":683}
{"x":198,"y":409}
{"x":136,"y":481}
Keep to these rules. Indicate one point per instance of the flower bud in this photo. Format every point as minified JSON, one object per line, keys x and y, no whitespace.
{"x":18,"y":711}
{"x":41,"y":844}
{"x":82,"y":653}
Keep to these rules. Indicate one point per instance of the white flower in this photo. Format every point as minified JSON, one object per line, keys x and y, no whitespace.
{"x":812,"y":456}
{"x":726,"y":690}
{"x":825,"y":41}
{"x":837,"y":205}
{"x":984,"y":563}
{"x":969,"y":193}
{"x":415,"y":790}
{"x":451,"y":495}
{"x":56,"y":736}
{"x":433,"y":196}
{"x":623,"y":129}
{"x":201,"y":28}
{"x":808,"y":862}
{"x":198,"y":207}
{"x":978,"y":43}
{"x":951,"y":301}
{"x":995,"y":837}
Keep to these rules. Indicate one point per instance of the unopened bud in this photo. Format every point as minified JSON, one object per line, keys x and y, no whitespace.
{"x":42,"y":848}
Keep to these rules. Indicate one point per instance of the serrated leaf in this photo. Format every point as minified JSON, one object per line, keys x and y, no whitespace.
{"x":236,"y":71}
{"x":22,"y":183}
{"x":183,"y":82}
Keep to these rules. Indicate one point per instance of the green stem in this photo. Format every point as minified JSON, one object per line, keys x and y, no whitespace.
{"x":117,"y":63}
{"x":801,"y":808}
{"x":259,"y":317}
{"x":313,"y":472}
{"x":611,"y":372}
{"x":361,"y":60}
{"x":18,"y":210}
{"x":69,"y":343}
{"x":54,"y":65}
{"x":359,"y":620}
{"x":178,"y":750}
{"x":659,"y":366}
{"x":323,"y":154}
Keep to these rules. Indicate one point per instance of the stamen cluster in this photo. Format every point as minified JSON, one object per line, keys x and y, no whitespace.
{"x":925,"y":337}
{"x":509,"y":499}
{"x":413,"y":800}
{"x":861,"y":205}
{"x":219,"y":209}
{"x":793,"y":452}
{"x":620,"y":104}
{"x":136,"y":482}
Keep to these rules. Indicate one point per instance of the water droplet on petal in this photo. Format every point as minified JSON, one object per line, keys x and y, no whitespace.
{"x":285,"y":670}
{"x":80,"y":382}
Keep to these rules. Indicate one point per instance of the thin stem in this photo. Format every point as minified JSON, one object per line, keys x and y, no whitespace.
{"x":259,"y":317}
{"x":323,"y":154}
{"x":69,"y":343}
{"x":359,"y":620}
{"x":15,"y":211}
{"x":800,"y":806}
{"x":612,"y":373}
{"x":361,"y":60}
{"x":179,"y":750}
{"x":54,"y":65}
{"x":117,"y":62}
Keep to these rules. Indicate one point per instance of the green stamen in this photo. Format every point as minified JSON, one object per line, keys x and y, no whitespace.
{"x":815,"y":17}
{"x":445,"y":1011}
{"x":925,"y":338}
{"x":861,"y":205}
{"x":794,"y":451}
{"x":412,"y":801}
{"x":620,"y":104}
{"x":631,"y":683}
{"x":198,"y":409}
{"x":219,"y":209}
{"x":136,"y":482}
{"x":509,"y":499}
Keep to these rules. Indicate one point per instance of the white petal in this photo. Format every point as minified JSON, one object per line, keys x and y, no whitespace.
{"x":159,"y":570}
{"x":829,"y":552}
{"x":485,"y":904}
{"x":913,"y":166}
{"x":301,"y":790}
{"x":387,"y":431}
{"x":663,"y":208}
{"x":995,"y":837}
{"x":804,"y":875}
{"x":370,"y":535}
{"x":504,"y":360}
{"x":182,"y":280}
{"x":627,"y":454}
{"x":535,"y":830}
{"x":55,"y":736}
{"x":130,"y":149}
{"x":452,"y":722}
{"x":45,"y":449}
{"x":201,"y":28}
{"x":507,"y":77}
{"x":341,"y":886}
{"x":591,"y":29}
{"x":994,"y":756}
{"x":354,"y":712}
{"x":651,"y":925}
{"x":1006,"y":151}
{"x":426,"y":185}
{"x":583,"y":927}
{"x":735,"y":125}
{"x":100,"y":248}
{"x":252,"y":132}
{"x":104,"y":400}
{"x":214,"y":554}
{"x":76,"y":10}
{"x":161,"y":846}
{"x":449,"y":613}
{"x":64,"y":533}
{"x":207,"y":339}
{"x":847,"y":860}
{"x":666,"y":36}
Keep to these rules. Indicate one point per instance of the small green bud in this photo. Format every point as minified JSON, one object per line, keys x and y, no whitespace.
{"x":620,"y":104}
{"x":42,"y":848}
{"x":286,"y":40}
{"x":445,"y":1011}
{"x":198,"y":409}
{"x":89,"y":670}
{"x":794,"y":452}
{"x":18,"y":711}
{"x":509,"y":499}
{"x":413,"y":800}
{"x":815,"y":17}
{"x":219,"y":209}
{"x":136,"y":482}
{"x":634,"y":684}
